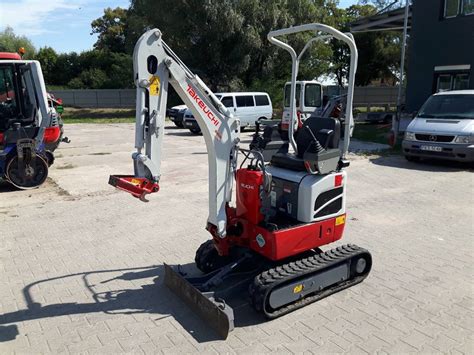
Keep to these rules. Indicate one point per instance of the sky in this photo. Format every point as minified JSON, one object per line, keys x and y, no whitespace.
{"x":62,"y":24}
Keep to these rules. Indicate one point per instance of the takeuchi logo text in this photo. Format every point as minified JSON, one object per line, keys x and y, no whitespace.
{"x":206,"y":110}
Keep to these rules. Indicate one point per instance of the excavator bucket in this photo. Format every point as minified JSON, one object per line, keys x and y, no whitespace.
{"x":215,"y":312}
{"x":138,"y":187}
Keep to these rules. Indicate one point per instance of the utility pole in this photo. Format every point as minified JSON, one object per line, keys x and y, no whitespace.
{"x":396,"y":122}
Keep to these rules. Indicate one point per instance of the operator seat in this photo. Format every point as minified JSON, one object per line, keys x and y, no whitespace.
{"x":272,"y":141}
{"x":323,"y":154}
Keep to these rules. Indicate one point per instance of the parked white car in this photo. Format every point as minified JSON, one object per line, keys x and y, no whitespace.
{"x":443,"y":128}
{"x":249,"y":107}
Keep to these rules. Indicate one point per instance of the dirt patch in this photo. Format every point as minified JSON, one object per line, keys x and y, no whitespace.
{"x":67,"y":166}
{"x":58,"y":189}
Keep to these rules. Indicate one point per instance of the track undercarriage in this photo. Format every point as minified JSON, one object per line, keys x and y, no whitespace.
{"x":274,"y":288}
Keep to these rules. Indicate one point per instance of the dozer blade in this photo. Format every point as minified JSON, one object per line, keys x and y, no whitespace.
{"x":215,"y":313}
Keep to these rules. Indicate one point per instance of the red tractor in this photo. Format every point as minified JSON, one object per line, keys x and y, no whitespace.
{"x":27,"y":123}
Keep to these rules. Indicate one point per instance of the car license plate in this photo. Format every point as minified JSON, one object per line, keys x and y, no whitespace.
{"x":189,"y":124}
{"x":431,"y":148}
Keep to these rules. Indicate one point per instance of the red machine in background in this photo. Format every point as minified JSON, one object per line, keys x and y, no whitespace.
{"x":29,"y":129}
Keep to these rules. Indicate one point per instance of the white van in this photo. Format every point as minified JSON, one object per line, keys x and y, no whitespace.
{"x":309,"y":99}
{"x":443,"y":128}
{"x":249,"y":107}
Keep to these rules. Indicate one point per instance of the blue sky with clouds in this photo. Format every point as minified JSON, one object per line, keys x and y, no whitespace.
{"x":62,"y":24}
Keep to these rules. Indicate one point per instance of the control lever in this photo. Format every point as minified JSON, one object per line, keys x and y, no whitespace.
{"x":319,"y":147}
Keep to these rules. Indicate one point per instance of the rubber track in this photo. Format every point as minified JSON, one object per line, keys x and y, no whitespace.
{"x":263,"y":283}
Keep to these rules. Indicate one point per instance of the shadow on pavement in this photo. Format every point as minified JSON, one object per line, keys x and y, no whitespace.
{"x":8,"y":332}
{"x":422,"y":165}
{"x":174,"y":127}
{"x":154,"y":299}
{"x":181,"y":133}
{"x":6,"y":187}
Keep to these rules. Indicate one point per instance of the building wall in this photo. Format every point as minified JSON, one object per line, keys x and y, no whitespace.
{"x":436,"y":41}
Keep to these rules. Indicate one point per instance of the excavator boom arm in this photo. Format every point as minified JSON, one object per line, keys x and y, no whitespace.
{"x":155,"y":67}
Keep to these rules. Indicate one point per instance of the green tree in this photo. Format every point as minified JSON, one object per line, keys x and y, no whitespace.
{"x":111,"y":29}
{"x":48,"y":58}
{"x":383,"y":4}
{"x":209,"y":36}
{"x":67,"y":67}
{"x":226,"y":41}
{"x":379,"y":52}
{"x":89,"y":79}
{"x":119,"y":72}
{"x":10,"y":42}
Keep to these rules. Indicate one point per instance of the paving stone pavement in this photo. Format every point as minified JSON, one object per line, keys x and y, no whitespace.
{"x":81,"y":263}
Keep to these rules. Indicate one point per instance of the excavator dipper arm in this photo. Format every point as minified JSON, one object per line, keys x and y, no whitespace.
{"x":155,"y":67}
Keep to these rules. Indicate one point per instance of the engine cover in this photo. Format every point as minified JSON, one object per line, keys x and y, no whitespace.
{"x":307,"y":197}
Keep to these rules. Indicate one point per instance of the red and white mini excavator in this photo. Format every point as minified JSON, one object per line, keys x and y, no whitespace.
{"x":290,"y":194}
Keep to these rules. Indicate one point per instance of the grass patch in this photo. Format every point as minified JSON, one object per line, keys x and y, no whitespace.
{"x":376,"y":133}
{"x":69,"y":120}
{"x":98,"y":115}
{"x":71,"y":112}
{"x":369,"y":132}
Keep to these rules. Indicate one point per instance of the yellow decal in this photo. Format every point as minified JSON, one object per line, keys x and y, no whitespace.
{"x":154,"y":85}
{"x":298,"y":288}
{"x":135,"y":181}
{"x":340,"y":220}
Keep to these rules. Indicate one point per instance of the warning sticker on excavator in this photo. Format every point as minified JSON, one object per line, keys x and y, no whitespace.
{"x":135,"y":181}
{"x":340,"y":220}
{"x":298,"y":288}
{"x":154,"y":87}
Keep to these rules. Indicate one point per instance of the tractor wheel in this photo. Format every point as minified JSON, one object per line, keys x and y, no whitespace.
{"x":31,"y":176}
{"x":207,"y":259}
{"x":49,"y":157}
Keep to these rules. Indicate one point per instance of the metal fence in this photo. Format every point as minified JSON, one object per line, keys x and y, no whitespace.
{"x":123,"y":98}
{"x":366,"y":96}
{"x":370,"y":96}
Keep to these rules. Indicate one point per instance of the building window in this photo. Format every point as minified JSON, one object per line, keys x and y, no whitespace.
{"x":453,"y":8}
{"x":452,"y":81}
{"x":461,"y":82}
{"x":468,"y":7}
{"x":444,"y":82}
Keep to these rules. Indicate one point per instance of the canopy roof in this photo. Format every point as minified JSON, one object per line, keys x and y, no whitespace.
{"x":385,"y":21}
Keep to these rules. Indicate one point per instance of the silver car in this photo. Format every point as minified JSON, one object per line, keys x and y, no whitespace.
{"x":443,"y":128}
